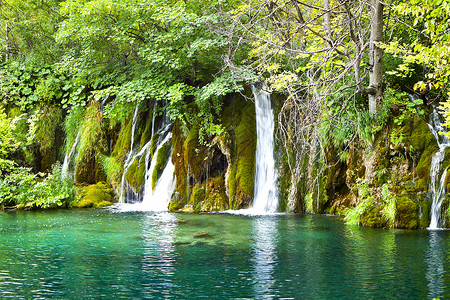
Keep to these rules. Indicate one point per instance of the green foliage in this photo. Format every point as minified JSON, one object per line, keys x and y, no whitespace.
{"x":7,"y":141}
{"x":408,"y":106}
{"x":27,"y":190}
{"x":72,"y":125}
{"x":432,"y":52}
{"x":91,"y":131}
{"x":353,"y":215}
{"x":31,"y":27}
{"x":90,"y":146}
{"x":113,"y":169}
{"x":44,"y":126}
{"x":389,"y":204}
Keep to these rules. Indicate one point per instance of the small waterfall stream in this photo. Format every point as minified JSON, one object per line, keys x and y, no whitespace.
{"x":68,"y":158}
{"x":265,"y":178}
{"x":129,"y":157}
{"x":156,"y":199}
{"x":437,"y":177}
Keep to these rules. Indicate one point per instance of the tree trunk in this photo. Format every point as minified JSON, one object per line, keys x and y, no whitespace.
{"x":327,"y":24}
{"x":375,"y":90}
{"x":7,"y":42}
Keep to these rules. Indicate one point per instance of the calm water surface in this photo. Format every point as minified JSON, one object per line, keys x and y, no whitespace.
{"x":110,"y":254}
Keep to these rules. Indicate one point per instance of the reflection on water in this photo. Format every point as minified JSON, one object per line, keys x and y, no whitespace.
{"x":102,"y":254}
{"x":435,"y":264}
{"x":158,"y":232}
{"x":265,"y":235}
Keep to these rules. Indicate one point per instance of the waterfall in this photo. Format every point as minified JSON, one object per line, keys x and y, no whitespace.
{"x":265,"y":178}
{"x":158,"y":199}
{"x":437,"y":177}
{"x":68,"y":158}
{"x":129,"y":157}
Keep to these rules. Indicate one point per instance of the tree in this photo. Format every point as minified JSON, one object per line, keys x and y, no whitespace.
{"x":327,"y":59}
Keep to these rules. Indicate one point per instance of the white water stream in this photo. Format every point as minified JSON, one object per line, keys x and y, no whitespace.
{"x":129,"y":157}
{"x":437,"y":177}
{"x":156,"y":199}
{"x":266,"y":200}
{"x":68,"y":158}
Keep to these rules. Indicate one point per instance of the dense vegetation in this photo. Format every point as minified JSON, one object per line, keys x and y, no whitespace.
{"x":345,"y":75}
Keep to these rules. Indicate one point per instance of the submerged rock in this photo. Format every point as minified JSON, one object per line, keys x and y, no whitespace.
{"x":203,"y":234}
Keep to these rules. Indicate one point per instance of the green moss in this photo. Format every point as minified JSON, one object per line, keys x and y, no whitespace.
{"x":135,"y":175}
{"x":373,"y":217}
{"x":422,"y":143}
{"x":177,"y":202}
{"x":92,"y":144}
{"x":113,"y":169}
{"x":147,"y":134}
{"x":423,"y":166}
{"x":246,"y":152}
{"x":407,"y":215}
{"x":198,"y":194}
{"x":161,"y":160}
{"x":194,"y":154}
{"x":424,"y":210}
{"x":154,"y":144}
{"x":122,"y":146}
{"x":96,"y":195}
{"x":418,"y":133}
{"x":180,"y":197}
{"x":241,"y":125}
{"x":216,"y":199}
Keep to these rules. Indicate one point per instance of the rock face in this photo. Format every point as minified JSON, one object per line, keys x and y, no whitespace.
{"x":386,"y":183}
{"x":219,"y":176}
{"x":381,"y":183}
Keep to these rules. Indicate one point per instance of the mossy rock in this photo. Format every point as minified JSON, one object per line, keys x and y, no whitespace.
{"x":242,"y":177}
{"x":147,"y":134}
{"x":373,"y":217}
{"x":122,"y":146}
{"x":135,"y":175}
{"x":113,"y":170}
{"x":177,"y":202}
{"x":407,"y":212}
{"x":424,"y":217}
{"x":194,"y":154}
{"x":198,"y":195}
{"x":95,"y":195}
{"x":423,"y":166}
{"x":178,"y":161}
{"x":86,"y":168}
{"x":162,"y":158}
{"x":418,"y":134}
{"x":421,"y":184}
{"x":154,"y":144}
{"x":216,"y":199}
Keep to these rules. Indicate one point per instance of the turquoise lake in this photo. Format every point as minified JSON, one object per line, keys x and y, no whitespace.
{"x":105,"y":253}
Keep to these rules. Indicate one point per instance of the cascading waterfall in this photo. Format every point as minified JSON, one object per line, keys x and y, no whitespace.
{"x":266,"y":199}
{"x":157,"y":199}
{"x":68,"y":158}
{"x":129,"y":157}
{"x":437,"y":177}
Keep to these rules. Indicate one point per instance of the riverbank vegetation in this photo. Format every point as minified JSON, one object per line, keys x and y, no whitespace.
{"x":353,"y":86}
